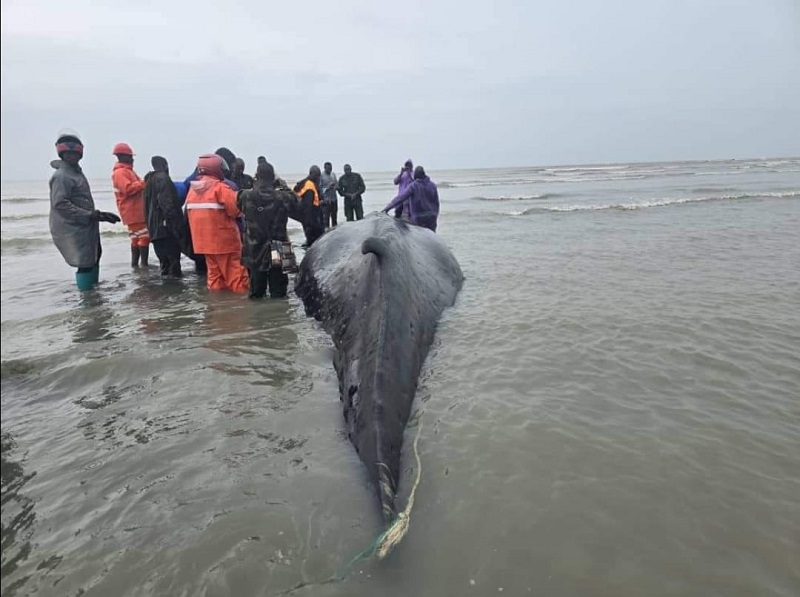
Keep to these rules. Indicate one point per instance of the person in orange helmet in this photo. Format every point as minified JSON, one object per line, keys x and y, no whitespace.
{"x":212,"y":210}
{"x":129,"y":193}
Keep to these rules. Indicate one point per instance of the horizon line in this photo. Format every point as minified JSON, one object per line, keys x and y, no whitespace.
{"x":543,"y":166}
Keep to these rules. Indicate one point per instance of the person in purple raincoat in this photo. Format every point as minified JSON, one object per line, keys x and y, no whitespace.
{"x":420,"y":199}
{"x":402,"y":180}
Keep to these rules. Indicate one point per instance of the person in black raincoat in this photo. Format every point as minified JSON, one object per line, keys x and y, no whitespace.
{"x":74,"y":221}
{"x":267,"y":209}
{"x":165,"y":221}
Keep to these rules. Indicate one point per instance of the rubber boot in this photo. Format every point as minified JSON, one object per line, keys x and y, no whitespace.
{"x":135,"y":252}
{"x":144,"y":253}
{"x":96,"y":273}
{"x":85,"y":280}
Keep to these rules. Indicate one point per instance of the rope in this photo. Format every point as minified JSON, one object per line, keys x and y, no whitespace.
{"x":398,"y":529}
{"x":383,"y":545}
{"x":391,"y":537}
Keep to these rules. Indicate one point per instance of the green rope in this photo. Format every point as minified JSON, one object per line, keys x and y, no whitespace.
{"x":384,"y":543}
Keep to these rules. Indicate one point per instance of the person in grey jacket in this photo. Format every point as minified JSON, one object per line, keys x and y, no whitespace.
{"x":74,"y":221}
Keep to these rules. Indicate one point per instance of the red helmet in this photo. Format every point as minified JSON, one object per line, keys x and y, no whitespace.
{"x":69,"y":142}
{"x":210,"y":164}
{"x":122,"y":149}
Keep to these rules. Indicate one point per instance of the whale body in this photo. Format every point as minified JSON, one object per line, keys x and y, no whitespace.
{"x":379,"y":287}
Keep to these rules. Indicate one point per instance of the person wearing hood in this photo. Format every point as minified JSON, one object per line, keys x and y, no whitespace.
{"x":266,"y":208}
{"x":129,"y":193}
{"x":74,"y":221}
{"x":351,"y":186}
{"x":308,"y":192}
{"x":212,"y":211}
{"x":239,"y":178}
{"x":421,"y":199}
{"x":402,"y":180}
{"x":165,"y":221}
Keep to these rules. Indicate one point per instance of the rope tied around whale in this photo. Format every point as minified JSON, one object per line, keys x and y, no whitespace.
{"x":383,"y":545}
{"x":391,"y":537}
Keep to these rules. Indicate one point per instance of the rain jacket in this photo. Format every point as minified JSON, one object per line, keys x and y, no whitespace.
{"x":266,"y":212}
{"x":75,"y":231}
{"x":129,"y":193}
{"x":421,"y":198}
{"x":212,"y":210}
{"x":163,"y":207}
{"x":403,"y":180}
{"x":351,"y":184}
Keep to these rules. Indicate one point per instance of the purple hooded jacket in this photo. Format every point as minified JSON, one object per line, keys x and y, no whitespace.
{"x":421,"y":198}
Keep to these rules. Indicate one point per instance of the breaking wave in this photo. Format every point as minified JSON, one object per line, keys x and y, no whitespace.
{"x":519,"y":198}
{"x":24,"y":244}
{"x":653,"y":203}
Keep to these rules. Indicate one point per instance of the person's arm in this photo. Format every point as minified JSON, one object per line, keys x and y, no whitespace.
{"x":292,"y":203}
{"x":227,"y":197}
{"x":340,"y":187}
{"x":127,"y":184}
{"x":60,"y":202}
{"x":400,"y":199}
{"x":399,"y":177}
{"x":361,"y":186}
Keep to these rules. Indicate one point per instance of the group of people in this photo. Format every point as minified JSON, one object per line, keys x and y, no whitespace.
{"x":232,"y":225}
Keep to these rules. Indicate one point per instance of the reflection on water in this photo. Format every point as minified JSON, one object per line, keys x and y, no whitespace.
{"x":257,"y":337}
{"x":92,"y":320}
{"x":17,"y":515}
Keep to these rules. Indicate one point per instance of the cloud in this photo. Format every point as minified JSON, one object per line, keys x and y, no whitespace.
{"x":454,"y":85}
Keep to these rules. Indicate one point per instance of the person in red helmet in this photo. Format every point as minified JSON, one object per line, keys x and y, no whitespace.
{"x":74,"y":221}
{"x":212,"y":210}
{"x":129,"y":193}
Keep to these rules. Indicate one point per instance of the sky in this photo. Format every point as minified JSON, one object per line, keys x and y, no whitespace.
{"x":451,"y":84}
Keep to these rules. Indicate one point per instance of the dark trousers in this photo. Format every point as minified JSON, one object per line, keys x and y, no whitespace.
{"x":168,"y":252}
{"x":313,"y":227}
{"x":353,"y":206}
{"x":277,"y":281}
{"x":329,"y":213}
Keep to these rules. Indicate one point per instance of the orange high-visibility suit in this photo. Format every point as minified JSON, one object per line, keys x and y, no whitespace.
{"x":129,"y":193}
{"x":212,"y":210}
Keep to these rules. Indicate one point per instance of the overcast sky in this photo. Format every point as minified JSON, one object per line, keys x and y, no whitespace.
{"x":450,"y":84}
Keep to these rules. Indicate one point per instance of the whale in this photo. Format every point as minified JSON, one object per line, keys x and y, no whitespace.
{"x":379,"y":287}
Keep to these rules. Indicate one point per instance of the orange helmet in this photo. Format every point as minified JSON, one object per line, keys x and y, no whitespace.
{"x":122,"y":149}
{"x":210,"y":164}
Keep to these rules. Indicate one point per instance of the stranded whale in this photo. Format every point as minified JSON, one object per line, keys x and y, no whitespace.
{"x":379,"y":286}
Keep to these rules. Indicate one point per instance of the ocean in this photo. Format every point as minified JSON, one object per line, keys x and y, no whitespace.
{"x":612,"y":406}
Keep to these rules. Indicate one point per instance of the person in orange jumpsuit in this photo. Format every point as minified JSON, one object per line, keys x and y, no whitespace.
{"x":129,"y":193}
{"x":212,"y":210}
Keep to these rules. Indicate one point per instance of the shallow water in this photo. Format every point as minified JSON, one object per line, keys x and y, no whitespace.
{"x":612,"y":407}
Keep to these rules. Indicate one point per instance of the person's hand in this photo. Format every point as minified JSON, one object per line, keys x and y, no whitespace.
{"x":105,"y":216}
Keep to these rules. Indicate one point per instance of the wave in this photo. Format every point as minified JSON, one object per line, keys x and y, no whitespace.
{"x":705,"y":190}
{"x":25,"y":199}
{"x":647,"y":204}
{"x":520,"y":198}
{"x":17,"y":217}
{"x":588,"y":168}
{"x":23,"y":244}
